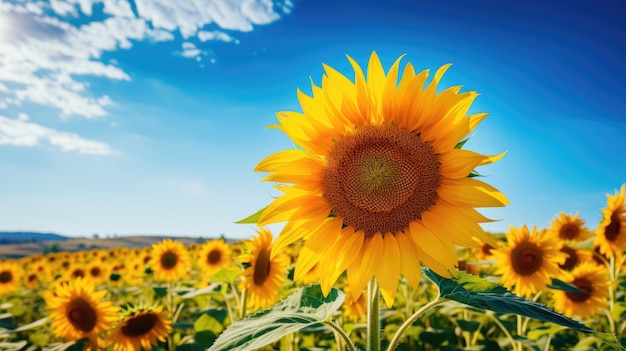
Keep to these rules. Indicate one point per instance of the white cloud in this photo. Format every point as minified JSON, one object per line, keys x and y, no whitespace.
{"x":216,"y":35}
{"x":22,"y":133}
{"x":46,"y":58}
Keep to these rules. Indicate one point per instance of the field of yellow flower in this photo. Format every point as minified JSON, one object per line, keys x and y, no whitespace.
{"x":379,"y":206}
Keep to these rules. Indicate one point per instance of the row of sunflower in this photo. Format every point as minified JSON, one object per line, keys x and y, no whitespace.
{"x":133,"y":299}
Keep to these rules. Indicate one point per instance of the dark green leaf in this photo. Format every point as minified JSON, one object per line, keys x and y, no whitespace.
{"x":469,"y":326}
{"x":205,"y":338}
{"x":558,"y":284}
{"x":461,"y":143}
{"x":253,"y":218}
{"x":498,"y":299}
{"x":160,"y":291}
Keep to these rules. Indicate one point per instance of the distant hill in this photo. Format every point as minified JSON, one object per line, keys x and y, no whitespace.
{"x":27,"y":237}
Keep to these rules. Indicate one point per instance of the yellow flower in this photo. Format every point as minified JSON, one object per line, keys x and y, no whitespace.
{"x":529,"y":261}
{"x":214,"y":255}
{"x":169,"y":260}
{"x":354,"y":310}
{"x":569,"y":228}
{"x":575,"y":257}
{"x":10,"y":277}
{"x":611,"y":234}
{"x":140,"y":329}
{"x":77,"y":311}
{"x":265,"y":274}
{"x":378,"y":181}
{"x":585,"y":277}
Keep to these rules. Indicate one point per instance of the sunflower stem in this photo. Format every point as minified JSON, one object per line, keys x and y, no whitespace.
{"x":339,"y":330}
{"x":373,"y":317}
{"x":242,"y":305}
{"x":396,"y":338}
{"x":504,"y":330}
{"x":170,"y":311}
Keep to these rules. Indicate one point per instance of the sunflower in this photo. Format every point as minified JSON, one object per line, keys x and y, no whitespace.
{"x":611,"y":233}
{"x":10,"y":277}
{"x":77,"y":311}
{"x":529,"y":260}
{"x":214,"y":256}
{"x":169,"y":260}
{"x":265,"y":274}
{"x":575,"y":257}
{"x":484,"y":252}
{"x":378,"y":181}
{"x":97,"y":272}
{"x":354,"y":310}
{"x":585,"y":277}
{"x":140,"y":329}
{"x":569,"y":228}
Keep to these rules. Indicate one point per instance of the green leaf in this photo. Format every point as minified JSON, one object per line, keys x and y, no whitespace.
{"x":558,"y":284}
{"x":206,"y":290}
{"x":13,"y":346}
{"x":548,"y":329}
{"x":39,"y":338}
{"x":7,"y":321}
{"x":610,"y":339}
{"x":207,"y":322}
{"x":497,"y":299}
{"x":159,"y":291}
{"x":225,"y":276}
{"x":204,"y":338}
{"x":461,"y":143}
{"x":253,"y":218}
{"x":306,"y":307}
{"x":468,"y":326}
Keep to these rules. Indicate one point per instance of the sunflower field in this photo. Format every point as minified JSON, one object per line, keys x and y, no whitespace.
{"x":381,"y":249}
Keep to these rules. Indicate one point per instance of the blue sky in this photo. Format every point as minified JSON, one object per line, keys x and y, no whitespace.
{"x":148,"y":116}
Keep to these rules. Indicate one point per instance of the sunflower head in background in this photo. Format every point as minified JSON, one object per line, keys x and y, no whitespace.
{"x":378,"y":181}
{"x":169,"y":260}
{"x":586,"y":277}
{"x":214,"y":256}
{"x":611,"y":233}
{"x":569,"y":228}
{"x":10,"y":277}
{"x":78,"y":311}
{"x":529,"y":261}
{"x":140,"y":329}
{"x":264,"y":271}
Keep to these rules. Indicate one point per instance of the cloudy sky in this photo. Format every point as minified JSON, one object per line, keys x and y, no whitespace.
{"x":148,"y":116}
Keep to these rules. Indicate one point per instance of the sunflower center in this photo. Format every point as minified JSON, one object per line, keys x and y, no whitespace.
{"x":569,"y":231}
{"x":82,"y":316}
{"x":380,"y":179}
{"x":214,"y":257}
{"x":526,"y":258}
{"x":5,"y":276}
{"x":262,"y":267}
{"x":169,"y":260}
{"x":78,"y":273}
{"x":572,"y":258}
{"x":486,"y":248}
{"x":95,"y":272}
{"x":140,"y":325}
{"x":612,"y":230}
{"x":583,"y":284}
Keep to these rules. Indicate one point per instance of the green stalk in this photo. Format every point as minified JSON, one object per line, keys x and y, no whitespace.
{"x":242,"y":304}
{"x":349,"y":345}
{"x":396,"y":338}
{"x":373,"y":318}
{"x":170,"y":312}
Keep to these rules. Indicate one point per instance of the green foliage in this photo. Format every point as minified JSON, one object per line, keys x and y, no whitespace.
{"x":306,"y":307}
{"x":253,"y":218}
{"x":496,"y":298}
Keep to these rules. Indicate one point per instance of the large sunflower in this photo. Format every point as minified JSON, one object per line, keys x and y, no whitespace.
{"x":140,"y":329}
{"x":569,"y":228}
{"x":529,"y":260}
{"x":10,"y":277}
{"x":265,"y":273}
{"x":213,"y":256}
{"x":169,"y":260}
{"x":379,"y":181}
{"x":611,"y":233}
{"x":586,"y":277}
{"x":77,"y":311}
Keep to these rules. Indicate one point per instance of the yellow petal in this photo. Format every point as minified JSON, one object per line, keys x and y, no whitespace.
{"x":364,"y":266}
{"x":388,"y":271}
{"x":409,"y":260}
